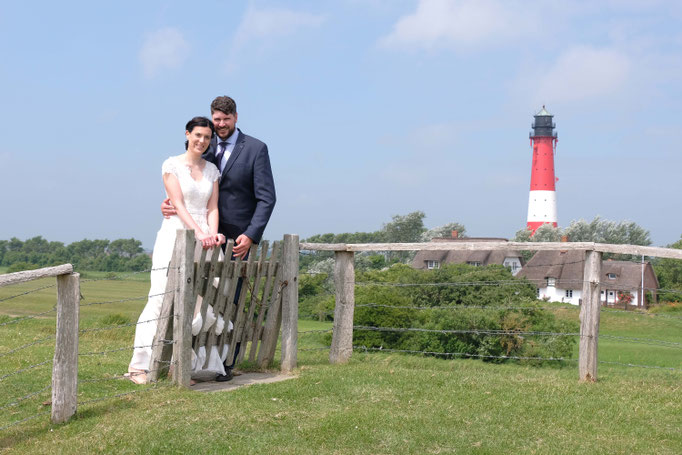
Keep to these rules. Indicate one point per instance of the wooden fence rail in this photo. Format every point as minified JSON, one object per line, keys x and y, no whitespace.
{"x":344,"y":280}
{"x":65,"y":362}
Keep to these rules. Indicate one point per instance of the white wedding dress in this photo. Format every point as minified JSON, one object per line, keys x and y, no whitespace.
{"x":196,"y":195}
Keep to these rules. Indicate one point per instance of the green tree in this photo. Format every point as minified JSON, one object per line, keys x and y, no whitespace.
{"x":606,"y":231}
{"x":404,"y":228}
{"x":669,"y":274}
{"x":444,"y":231}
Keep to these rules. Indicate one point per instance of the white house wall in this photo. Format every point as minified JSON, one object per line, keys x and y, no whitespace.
{"x":559,"y":295}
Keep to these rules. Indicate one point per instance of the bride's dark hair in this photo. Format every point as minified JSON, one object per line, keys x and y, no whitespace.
{"x":199,"y":121}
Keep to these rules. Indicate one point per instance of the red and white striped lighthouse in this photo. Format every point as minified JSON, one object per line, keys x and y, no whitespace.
{"x":542,"y":200}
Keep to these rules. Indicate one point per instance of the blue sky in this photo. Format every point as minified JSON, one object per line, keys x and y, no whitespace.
{"x":370,"y":108}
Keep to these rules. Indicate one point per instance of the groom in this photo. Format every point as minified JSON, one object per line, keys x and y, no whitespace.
{"x":246,"y":188}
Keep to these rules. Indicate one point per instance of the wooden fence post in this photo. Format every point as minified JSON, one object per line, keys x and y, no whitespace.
{"x":65,"y":364}
{"x":589,"y":318}
{"x":290,"y":253}
{"x":183,"y":308}
{"x":344,"y":281}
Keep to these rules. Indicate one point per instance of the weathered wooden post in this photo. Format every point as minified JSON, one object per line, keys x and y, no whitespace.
{"x":161,"y":349}
{"x":589,"y":318}
{"x":290,"y":253}
{"x":65,"y":364}
{"x":183,"y":308}
{"x":344,"y":281}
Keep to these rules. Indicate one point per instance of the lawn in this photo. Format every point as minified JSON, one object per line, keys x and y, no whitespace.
{"x":378,"y":403}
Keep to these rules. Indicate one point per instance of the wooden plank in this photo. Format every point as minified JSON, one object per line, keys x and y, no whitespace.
{"x":200,"y":273}
{"x":268,"y":343}
{"x":65,"y":363}
{"x":209,"y":271}
{"x":161,"y":351}
{"x":344,"y":281}
{"x":29,"y":275}
{"x":234,"y":337}
{"x":220,"y":299}
{"x":589,"y":318}
{"x":225,"y":277}
{"x":290,"y":252}
{"x":505,"y":246}
{"x":273,"y":265}
{"x":183,"y":309}
{"x":210,"y":299}
{"x":249,"y":323}
{"x":228,"y":302}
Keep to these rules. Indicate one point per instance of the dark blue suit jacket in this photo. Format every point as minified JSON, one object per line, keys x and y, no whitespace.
{"x":247,"y":189}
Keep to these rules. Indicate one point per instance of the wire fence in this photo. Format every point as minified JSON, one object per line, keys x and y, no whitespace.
{"x":25,"y":379}
{"x":24,"y":361}
{"x":445,"y":296}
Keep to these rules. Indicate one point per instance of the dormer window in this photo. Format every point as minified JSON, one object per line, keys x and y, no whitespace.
{"x":474,"y":263}
{"x":551,"y":282}
{"x":611,"y":276}
{"x":432,"y":265}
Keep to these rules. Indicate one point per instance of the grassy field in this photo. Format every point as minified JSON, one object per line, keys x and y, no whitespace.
{"x":379,"y":403}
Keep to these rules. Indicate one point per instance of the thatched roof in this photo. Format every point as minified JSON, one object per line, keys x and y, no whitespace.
{"x":567,"y":268}
{"x":485,"y":257}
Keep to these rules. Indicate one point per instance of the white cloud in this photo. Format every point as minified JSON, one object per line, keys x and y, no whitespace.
{"x":581,"y":73}
{"x":461,"y":24}
{"x":262,"y":25}
{"x":164,"y":49}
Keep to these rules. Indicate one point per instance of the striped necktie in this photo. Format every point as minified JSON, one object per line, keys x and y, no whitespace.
{"x":219,"y":155}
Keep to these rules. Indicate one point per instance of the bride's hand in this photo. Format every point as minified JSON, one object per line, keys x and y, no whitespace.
{"x":207,"y":241}
{"x":220,"y":239}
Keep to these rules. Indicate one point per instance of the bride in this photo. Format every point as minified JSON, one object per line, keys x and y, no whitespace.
{"x":192,"y":185}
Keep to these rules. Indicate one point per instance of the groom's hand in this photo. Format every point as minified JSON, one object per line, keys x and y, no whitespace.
{"x":167,"y":209}
{"x":241,"y":246}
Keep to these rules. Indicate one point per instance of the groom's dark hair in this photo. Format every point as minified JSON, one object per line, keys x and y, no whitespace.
{"x":224,"y":104}
{"x":198,"y":121}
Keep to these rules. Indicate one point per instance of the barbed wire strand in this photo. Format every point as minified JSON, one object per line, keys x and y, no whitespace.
{"x":32,"y":316}
{"x":25,"y":397}
{"x":129,"y":324}
{"x":607,"y":362}
{"x":127,"y":348}
{"x":458,"y":307}
{"x":457,"y":331}
{"x":42,"y":340}
{"x":142,"y":297}
{"x":648,"y":341}
{"x":28,"y":292}
{"x":9,"y":425}
{"x":463,"y":354}
{"x":126,"y":274}
{"x":119,"y":377}
{"x":23,"y":370}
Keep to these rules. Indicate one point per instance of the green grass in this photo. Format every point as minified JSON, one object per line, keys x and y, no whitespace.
{"x":378,"y":403}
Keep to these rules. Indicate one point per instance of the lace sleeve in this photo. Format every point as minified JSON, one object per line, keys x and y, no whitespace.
{"x":212,"y":172}
{"x":169,"y":167}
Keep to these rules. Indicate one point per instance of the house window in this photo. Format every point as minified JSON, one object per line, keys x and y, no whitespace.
{"x":569,"y":292}
{"x":538,"y":292}
{"x":610,"y":293}
{"x":611,"y":276}
{"x":474,"y":263}
{"x":551,"y":282}
{"x":432,"y":264}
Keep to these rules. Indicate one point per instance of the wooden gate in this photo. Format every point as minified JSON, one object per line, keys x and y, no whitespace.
{"x":249,"y":294}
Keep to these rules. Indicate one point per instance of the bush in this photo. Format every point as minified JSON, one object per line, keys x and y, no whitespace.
{"x":486,"y":299}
